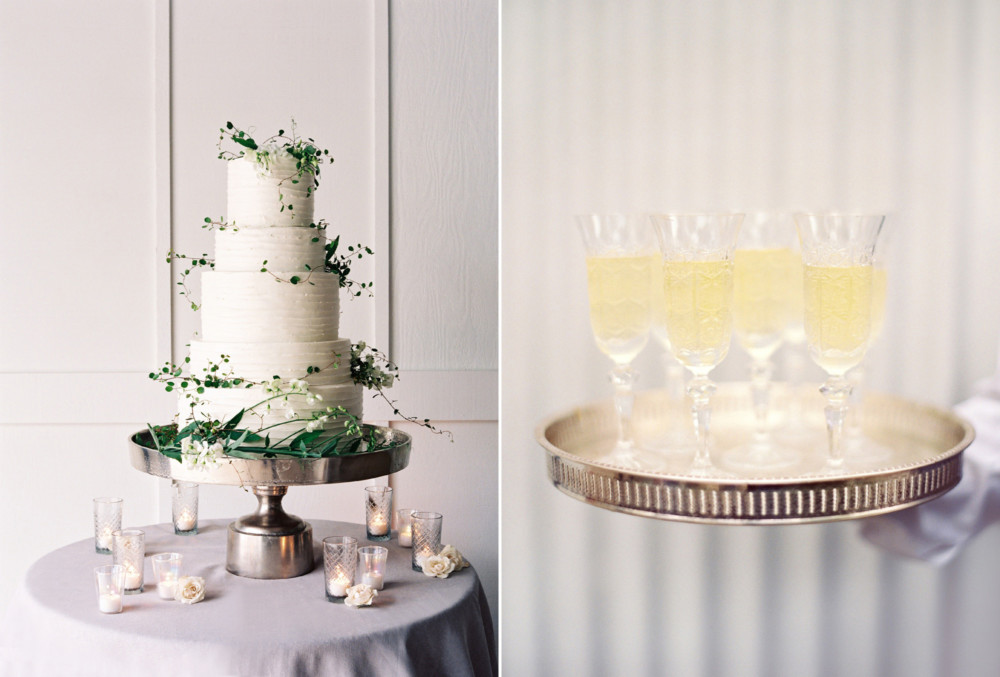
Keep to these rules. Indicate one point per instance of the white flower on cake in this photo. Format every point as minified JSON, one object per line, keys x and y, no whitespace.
{"x":452,"y":553}
{"x":361,"y":594}
{"x":201,"y":454}
{"x":190,"y":589}
{"x":273,"y":387}
{"x":438,"y":566}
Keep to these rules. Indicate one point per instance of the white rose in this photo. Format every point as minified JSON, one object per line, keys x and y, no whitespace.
{"x":361,"y":594}
{"x":437,"y":565}
{"x":452,"y":553}
{"x":190,"y":589}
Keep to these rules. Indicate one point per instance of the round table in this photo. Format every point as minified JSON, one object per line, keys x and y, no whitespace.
{"x":418,"y":625}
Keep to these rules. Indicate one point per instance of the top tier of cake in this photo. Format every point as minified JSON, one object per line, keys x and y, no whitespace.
{"x":262,"y":197}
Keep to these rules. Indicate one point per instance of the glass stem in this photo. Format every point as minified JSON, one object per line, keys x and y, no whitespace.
{"x":622,"y":377}
{"x":760,"y":386}
{"x":837,"y":391}
{"x":700,"y":389}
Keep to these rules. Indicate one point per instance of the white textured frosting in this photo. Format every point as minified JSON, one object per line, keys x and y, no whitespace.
{"x":254,"y":307}
{"x":259,"y":197}
{"x":284,"y":249}
{"x":264,"y":361}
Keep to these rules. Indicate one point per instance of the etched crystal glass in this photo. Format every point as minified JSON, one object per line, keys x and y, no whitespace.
{"x":838,"y":252}
{"x":184,"y":507}
{"x":130,"y":553}
{"x":340,"y":562}
{"x":763,"y":301}
{"x":621,"y":264}
{"x":378,"y":513}
{"x":698,"y":298}
{"x":107,"y":520}
{"x":426,"y":528}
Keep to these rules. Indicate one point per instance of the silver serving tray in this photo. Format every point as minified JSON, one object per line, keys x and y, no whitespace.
{"x":917,"y":457}
{"x":278,"y":471}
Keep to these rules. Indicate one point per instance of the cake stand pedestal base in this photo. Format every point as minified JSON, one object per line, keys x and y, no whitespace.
{"x":269,"y":543}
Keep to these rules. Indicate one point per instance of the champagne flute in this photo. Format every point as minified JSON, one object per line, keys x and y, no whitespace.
{"x":837,"y":253}
{"x":762,"y":303}
{"x":698,"y":296}
{"x":621,"y":259}
{"x":676,"y":436}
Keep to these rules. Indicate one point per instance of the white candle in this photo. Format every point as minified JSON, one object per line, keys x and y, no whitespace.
{"x":167,"y":586}
{"x":109,"y":602}
{"x":373,"y":579}
{"x":378,"y":525}
{"x":104,"y":539}
{"x":406,"y":537}
{"x":133,"y":577}
{"x":338,"y":587}
{"x":186,"y":520}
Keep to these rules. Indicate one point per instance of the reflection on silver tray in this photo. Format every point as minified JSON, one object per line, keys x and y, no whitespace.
{"x":909,"y":453}
{"x":282,"y":471}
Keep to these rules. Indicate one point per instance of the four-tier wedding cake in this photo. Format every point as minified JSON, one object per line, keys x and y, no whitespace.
{"x":270,"y":309}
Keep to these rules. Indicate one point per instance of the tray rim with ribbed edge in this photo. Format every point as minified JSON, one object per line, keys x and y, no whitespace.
{"x":761,"y":500}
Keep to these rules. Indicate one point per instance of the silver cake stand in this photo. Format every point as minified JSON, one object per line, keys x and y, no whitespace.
{"x":270,"y":543}
{"x":909,"y":453}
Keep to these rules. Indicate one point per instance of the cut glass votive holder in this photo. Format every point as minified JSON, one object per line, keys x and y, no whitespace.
{"x":184,"y":507}
{"x":166,"y":570}
{"x":404,"y":528}
{"x":426,"y":528}
{"x":378,"y":512}
{"x":130,"y":553}
{"x":110,"y":580}
{"x":107,"y":520}
{"x":373,"y":559}
{"x":340,"y":561}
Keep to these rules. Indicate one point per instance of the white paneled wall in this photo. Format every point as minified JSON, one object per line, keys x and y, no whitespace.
{"x":659,"y":105}
{"x":110,"y":161}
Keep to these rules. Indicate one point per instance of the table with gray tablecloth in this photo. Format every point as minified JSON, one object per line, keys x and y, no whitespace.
{"x":419,"y":625}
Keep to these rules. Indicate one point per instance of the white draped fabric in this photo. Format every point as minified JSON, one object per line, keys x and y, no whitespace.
{"x":884,"y":105}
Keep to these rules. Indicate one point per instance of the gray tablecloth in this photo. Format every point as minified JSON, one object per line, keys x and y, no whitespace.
{"x":418,"y":625}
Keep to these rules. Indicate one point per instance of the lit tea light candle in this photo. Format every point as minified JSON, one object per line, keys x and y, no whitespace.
{"x":186,"y":520}
{"x":109,"y":602}
{"x":406,"y":537}
{"x":104,"y":538}
{"x":373,"y":578}
{"x":133,"y":577}
{"x":167,"y":585}
{"x":378,"y":525}
{"x":337,"y":587}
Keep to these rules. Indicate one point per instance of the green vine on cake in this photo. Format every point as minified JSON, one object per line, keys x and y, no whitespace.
{"x":204,"y":441}
{"x":372,"y":369}
{"x":308,"y":156}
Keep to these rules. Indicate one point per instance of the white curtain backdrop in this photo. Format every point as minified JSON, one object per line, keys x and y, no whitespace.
{"x":651,"y":105}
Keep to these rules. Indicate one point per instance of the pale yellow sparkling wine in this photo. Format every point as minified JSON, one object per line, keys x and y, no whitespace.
{"x":838,"y":315}
{"x":762,"y":298}
{"x":698,"y":297}
{"x":620,"y":290}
